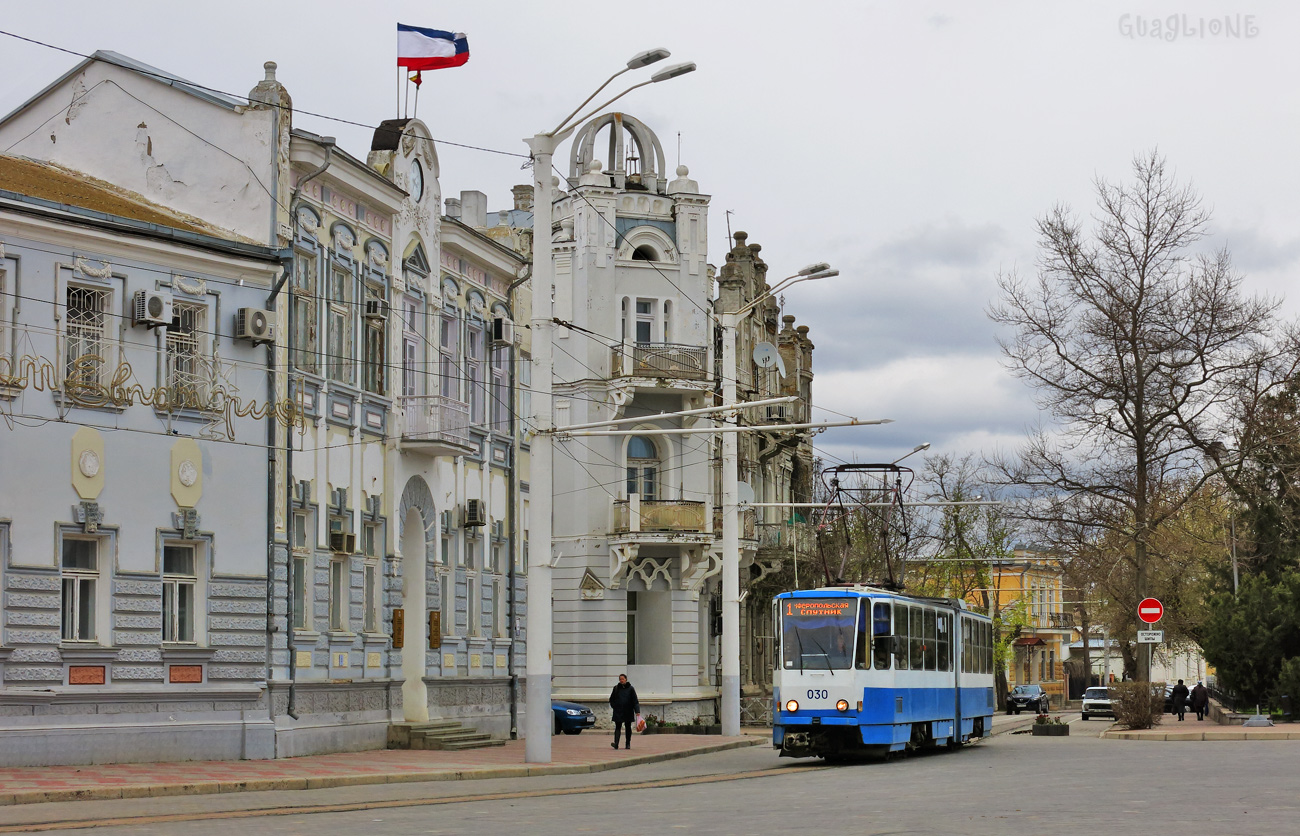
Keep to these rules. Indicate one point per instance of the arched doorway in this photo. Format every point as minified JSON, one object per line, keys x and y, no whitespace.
{"x":418,"y":528}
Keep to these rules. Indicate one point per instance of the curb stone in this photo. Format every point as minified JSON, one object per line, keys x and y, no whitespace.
{"x":331,"y":781}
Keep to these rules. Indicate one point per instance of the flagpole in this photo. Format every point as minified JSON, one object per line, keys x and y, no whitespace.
{"x":408,"y":97}
{"x":415,"y":111}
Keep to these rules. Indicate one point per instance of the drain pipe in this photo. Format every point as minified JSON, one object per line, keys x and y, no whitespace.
{"x":328,"y":142}
{"x":512,"y":502}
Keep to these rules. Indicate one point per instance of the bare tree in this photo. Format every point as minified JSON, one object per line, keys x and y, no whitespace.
{"x":1143,"y":353}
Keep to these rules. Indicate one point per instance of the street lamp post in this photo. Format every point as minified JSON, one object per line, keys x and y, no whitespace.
{"x":731,"y":504}
{"x":537,"y":723}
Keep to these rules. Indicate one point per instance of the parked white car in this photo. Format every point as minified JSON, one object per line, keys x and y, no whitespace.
{"x":1097,"y":701}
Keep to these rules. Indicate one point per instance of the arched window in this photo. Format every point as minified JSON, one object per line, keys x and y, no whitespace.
{"x":645,"y":252}
{"x":642,"y":467}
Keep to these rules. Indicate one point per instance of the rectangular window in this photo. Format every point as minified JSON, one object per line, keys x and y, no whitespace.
{"x":449,"y":356}
{"x":80,"y":586}
{"x":525,"y":384}
{"x":469,"y":557}
{"x":631,"y":627}
{"x":339,"y":577}
{"x":180,"y":578}
{"x":930,"y":645}
{"x":446,"y":603}
{"x":86,"y":348}
{"x":473,"y":603}
{"x":645,"y":320}
{"x":302,"y":578}
{"x":371,"y":545}
{"x":944,"y":628}
{"x":500,"y":606}
{"x":916,"y":635}
{"x":474,"y":373}
{"x":900,"y":637}
{"x":372,"y":348}
{"x":188,"y":369}
{"x":500,"y":393}
{"x":338,"y":325}
{"x":305,"y":344}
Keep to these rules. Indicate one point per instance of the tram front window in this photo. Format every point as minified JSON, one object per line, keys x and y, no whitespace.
{"x":818,"y":633}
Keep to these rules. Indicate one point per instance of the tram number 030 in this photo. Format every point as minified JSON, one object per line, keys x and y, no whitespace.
{"x":814,"y":694}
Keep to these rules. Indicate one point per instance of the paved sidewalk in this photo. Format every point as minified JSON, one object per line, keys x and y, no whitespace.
{"x":1205,"y":730}
{"x":585,"y":753}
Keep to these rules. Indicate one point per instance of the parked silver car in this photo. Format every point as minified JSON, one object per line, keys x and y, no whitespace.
{"x":1097,"y":701}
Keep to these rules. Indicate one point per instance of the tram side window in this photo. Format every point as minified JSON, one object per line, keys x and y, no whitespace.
{"x":931,"y":642}
{"x":882,"y":638}
{"x":944,"y":638}
{"x":900,"y":637}
{"x":861,"y":657}
{"x":916,"y":631}
{"x":966,"y":652}
{"x":988,"y":647}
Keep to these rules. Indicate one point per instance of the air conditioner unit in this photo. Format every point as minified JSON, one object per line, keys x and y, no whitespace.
{"x":475,"y":513}
{"x":254,"y":325}
{"x":343,"y":542}
{"x":376,"y":309}
{"x":152,"y":308}
{"x":503,"y":331}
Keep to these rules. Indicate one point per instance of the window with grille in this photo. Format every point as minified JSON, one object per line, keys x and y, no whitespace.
{"x":305,"y":290}
{"x":188,"y":370}
{"x":86,"y":343}
{"x":80,"y":565}
{"x":180,"y":578}
{"x":338,"y":325}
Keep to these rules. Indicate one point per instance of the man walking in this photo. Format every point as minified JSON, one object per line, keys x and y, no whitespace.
{"x":1179,"y":698}
{"x":1200,"y":701}
{"x":626,"y":706}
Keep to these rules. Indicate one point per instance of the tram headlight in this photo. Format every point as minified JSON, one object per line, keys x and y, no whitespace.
{"x":842,"y":705}
{"x":792,"y":706}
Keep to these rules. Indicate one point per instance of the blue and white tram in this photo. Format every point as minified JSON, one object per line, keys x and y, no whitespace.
{"x":866,"y":670}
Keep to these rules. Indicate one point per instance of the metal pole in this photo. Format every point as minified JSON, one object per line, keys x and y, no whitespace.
{"x":537,"y":713}
{"x":1105,"y":654}
{"x":730,"y":542}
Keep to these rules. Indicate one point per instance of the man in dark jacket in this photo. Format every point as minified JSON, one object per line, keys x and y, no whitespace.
{"x":1200,"y":700}
{"x":1179,"y":699}
{"x":626,"y":706}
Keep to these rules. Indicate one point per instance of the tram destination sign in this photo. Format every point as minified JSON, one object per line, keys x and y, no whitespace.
{"x":820,"y":606}
{"x":1151,"y":636}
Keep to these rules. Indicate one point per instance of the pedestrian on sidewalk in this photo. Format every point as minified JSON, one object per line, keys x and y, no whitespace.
{"x":626,"y":706}
{"x":1200,"y":701}
{"x":1179,"y":699}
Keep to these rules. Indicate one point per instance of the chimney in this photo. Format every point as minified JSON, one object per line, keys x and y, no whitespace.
{"x":453,"y":207}
{"x":473,"y":207}
{"x":523,"y":197}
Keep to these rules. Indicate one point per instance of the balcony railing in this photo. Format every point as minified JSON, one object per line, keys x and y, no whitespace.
{"x":666,"y":360}
{"x":1060,"y":619}
{"x":748,"y":524}
{"x":658,"y":515}
{"x":781,"y":535}
{"x":434,"y":421}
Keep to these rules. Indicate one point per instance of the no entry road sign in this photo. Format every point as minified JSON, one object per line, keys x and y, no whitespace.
{"x":1150,"y":610}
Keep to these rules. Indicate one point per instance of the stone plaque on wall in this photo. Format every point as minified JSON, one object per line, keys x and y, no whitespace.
{"x":185,"y":673}
{"x":86,"y":674}
{"x":435,"y":630}
{"x":399,"y":628}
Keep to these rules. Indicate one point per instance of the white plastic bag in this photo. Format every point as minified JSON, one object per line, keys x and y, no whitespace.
{"x":640,"y":723}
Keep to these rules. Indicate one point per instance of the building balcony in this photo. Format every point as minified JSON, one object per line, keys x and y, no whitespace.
{"x":662,"y":361}
{"x":1060,"y":620}
{"x":435,"y":425}
{"x":783,"y":536}
{"x":658,"y":519}
{"x":748,"y":524}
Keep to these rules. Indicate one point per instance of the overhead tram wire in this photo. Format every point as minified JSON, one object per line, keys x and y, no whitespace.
{"x":171,"y":79}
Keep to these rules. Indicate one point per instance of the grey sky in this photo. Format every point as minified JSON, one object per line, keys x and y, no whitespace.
{"x":911,"y":145}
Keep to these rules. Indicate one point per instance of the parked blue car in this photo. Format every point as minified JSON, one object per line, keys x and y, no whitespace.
{"x":572,"y":718}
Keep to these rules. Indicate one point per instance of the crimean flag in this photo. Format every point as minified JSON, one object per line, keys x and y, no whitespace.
{"x":430,"y":49}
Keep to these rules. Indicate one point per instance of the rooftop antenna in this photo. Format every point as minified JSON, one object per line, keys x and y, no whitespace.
{"x":729,"y":238}
{"x":679,"y":147}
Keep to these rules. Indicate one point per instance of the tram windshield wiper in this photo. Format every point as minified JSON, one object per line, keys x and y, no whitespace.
{"x":830,"y":666}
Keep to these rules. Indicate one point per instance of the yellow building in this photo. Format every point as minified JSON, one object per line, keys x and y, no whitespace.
{"x":1028,"y":590}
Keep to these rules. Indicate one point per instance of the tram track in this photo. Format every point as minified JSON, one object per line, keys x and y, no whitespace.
{"x":384,"y":804}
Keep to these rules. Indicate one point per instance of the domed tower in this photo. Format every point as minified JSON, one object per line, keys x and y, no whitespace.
{"x":633,"y":286}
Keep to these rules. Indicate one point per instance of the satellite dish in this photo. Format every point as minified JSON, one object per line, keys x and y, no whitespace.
{"x":744,"y":493}
{"x":766,"y":356}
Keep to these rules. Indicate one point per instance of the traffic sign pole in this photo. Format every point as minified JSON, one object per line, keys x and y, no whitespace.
{"x":1150,"y":610}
